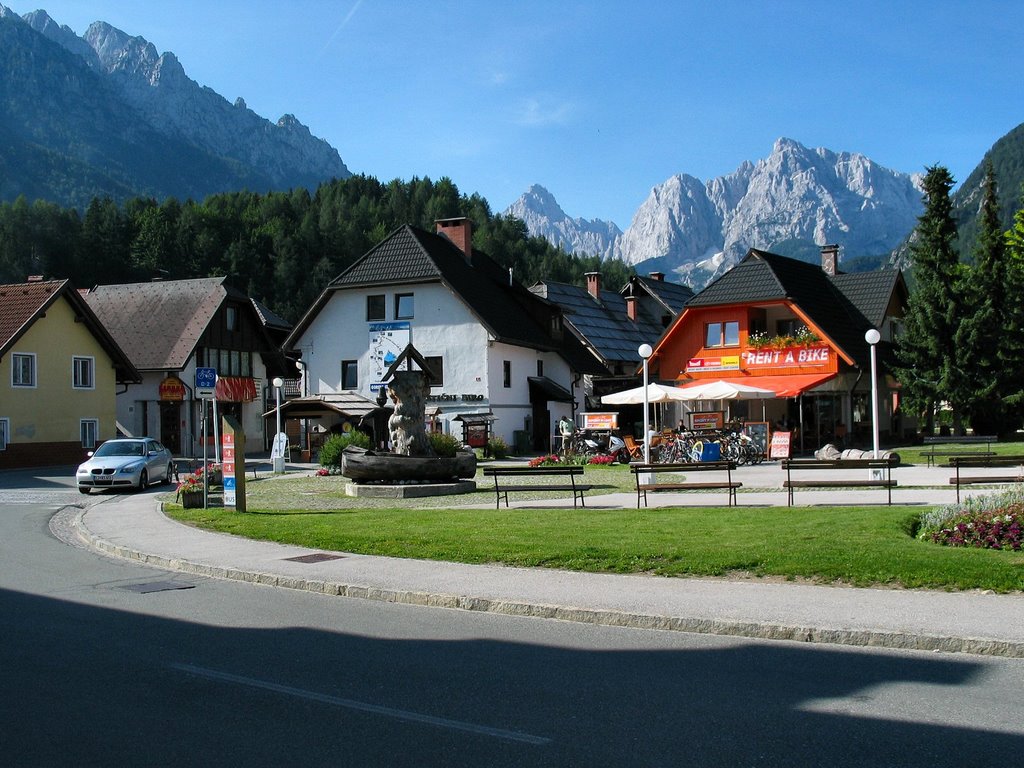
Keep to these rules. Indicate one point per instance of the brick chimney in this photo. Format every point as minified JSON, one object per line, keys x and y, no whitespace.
{"x":830,"y":259}
{"x":631,"y":308}
{"x":659,"y":276}
{"x":594,"y":284}
{"x":460,"y":231}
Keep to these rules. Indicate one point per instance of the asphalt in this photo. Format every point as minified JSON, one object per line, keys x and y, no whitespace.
{"x":134,"y":527}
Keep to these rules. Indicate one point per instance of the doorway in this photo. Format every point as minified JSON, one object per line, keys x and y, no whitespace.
{"x":170,"y":426}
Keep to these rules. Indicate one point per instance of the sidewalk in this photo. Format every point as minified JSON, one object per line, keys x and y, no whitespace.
{"x":133,"y":527}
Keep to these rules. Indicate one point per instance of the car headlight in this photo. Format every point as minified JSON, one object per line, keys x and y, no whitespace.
{"x":129,"y":468}
{"x":82,"y":470}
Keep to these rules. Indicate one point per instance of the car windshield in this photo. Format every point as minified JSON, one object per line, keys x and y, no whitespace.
{"x":121,"y":449}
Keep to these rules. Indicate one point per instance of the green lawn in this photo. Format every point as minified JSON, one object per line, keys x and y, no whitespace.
{"x":870,"y":545}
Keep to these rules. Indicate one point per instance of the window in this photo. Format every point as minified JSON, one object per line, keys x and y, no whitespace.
{"x":81,"y":373}
{"x":403,"y":306}
{"x":5,"y":430}
{"x":376,"y":308}
{"x":436,"y":365}
{"x":89,"y":429}
{"x":723,"y":334}
{"x":349,"y":374}
{"x":231,"y":318}
{"x":540,"y":367}
{"x":787,"y":327}
{"x":23,"y":369}
{"x":507,"y":374}
{"x":227,"y":362}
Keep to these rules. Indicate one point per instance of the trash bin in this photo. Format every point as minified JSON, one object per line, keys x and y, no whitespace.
{"x":711,"y":452}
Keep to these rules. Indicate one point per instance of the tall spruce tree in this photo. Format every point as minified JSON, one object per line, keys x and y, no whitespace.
{"x":928,"y":362}
{"x":1011,"y":335}
{"x":980,"y":337}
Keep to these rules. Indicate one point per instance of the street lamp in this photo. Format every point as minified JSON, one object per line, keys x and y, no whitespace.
{"x":872,"y":337}
{"x":646,"y":351}
{"x":278,"y":449}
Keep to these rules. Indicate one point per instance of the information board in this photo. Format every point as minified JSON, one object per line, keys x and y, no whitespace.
{"x":758,"y":432}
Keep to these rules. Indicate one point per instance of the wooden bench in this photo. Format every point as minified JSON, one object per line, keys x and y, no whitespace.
{"x":644,"y":485}
{"x":501,"y":490}
{"x":801,"y":465}
{"x":974,"y":462}
{"x":936,"y":440}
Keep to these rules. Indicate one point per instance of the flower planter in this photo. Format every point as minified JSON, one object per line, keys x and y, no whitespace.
{"x":192,"y":500}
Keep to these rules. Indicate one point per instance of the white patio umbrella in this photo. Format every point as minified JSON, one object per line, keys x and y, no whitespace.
{"x":727,"y":390}
{"x":656,"y":393}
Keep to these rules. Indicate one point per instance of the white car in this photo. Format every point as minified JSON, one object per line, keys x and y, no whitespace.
{"x":126,"y":463}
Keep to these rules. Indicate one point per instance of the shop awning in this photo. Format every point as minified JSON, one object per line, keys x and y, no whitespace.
{"x":235,"y":389}
{"x":791,"y":385}
{"x":541,"y":387}
{"x":470,"y":419}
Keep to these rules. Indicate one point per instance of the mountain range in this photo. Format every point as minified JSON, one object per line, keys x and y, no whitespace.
{"x":105,"y":114}
{"x":793,"y":198}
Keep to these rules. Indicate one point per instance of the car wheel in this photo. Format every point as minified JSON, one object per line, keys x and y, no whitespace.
{"x":81,"y":489}
{"x":143,"y":480}
{"x":167,"y":475}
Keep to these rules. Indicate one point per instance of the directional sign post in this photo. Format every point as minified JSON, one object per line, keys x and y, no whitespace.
{"x":206,"y":382}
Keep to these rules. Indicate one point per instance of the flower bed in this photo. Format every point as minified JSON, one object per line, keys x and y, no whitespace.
{"x":989,"y":522}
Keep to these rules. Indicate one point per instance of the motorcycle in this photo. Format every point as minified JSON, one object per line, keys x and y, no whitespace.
{"x":601,"y":444}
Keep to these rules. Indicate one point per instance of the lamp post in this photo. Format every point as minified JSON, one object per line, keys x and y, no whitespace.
{"x":646,"y":351}
{"x":871,"y":337}
{"x":278,"y":449}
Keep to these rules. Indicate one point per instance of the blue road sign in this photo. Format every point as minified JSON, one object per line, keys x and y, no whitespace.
{"x":206,"y":381}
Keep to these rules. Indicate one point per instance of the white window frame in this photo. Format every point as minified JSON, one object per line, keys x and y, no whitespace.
{"x":75,"y":382}
{"x":5,"y":433}
{"x":84,"y":426}
{"x":16,"y":357}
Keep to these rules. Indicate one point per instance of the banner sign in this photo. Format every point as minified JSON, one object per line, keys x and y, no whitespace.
{"x":227,"y":455}
{"x":707,"y":420}
{"x":790,"y":357}
{"x":600,"y":420}
{"x":172,"y":388}
{"x":729,"y":363}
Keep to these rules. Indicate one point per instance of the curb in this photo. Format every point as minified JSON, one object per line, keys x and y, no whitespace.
{"x":753,"y":630}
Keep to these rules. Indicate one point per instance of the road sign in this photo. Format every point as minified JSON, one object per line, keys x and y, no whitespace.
{"x":206,"y":382}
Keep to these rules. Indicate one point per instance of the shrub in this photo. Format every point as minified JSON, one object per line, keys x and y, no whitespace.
{"x":330,"y":453}
{"x":604,"y":459}
{"x":987,"y":522}
{"x":497,"y":447}
{"x":444,"y":445}
{"x":550,"y":460}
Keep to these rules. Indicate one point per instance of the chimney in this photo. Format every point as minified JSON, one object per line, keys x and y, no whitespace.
{"x":631,"y":308}
{"x":594,"y":284}
{"x":830,"y":259}
{"x":460,"y":231}
{"x":659,"y":276}
{"x":35,"y":278}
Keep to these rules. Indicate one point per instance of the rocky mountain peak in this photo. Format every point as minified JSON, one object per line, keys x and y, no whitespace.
{"x":795,"y":194}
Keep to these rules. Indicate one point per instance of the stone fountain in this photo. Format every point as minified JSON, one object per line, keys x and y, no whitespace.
{"x":410,"y":467}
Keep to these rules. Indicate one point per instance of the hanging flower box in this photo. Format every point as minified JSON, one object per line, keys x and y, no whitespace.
{"x":192,"y":499}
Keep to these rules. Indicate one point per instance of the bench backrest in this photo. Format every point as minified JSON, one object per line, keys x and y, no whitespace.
{"x":696,"y":466}
{"x":789,"y":464}
{"x":986,"y":461}
{"x":934,"y":440}
{"x":572,"y":469}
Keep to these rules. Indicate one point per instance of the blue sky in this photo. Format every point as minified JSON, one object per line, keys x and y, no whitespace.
{"x":599,"y":101}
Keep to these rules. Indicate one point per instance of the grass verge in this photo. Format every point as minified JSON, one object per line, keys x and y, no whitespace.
{"x":862,"y":546}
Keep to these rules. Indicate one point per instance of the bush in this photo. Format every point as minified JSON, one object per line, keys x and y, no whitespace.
{"x":497,"y":447}
{"x":988,"y":522}
{"x":444,"y":445}
{"x":330,"y":453}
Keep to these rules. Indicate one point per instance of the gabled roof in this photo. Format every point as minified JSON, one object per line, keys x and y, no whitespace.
{"x":672,"y":296}
{"x":602,"y":325}
{"x":22,"y":304}
{"x":159,"y":324}
{"x":842,"y":306}
{"x":507,"y":310}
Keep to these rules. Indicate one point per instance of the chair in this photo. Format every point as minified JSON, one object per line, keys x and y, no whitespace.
{"x":635,"y":451}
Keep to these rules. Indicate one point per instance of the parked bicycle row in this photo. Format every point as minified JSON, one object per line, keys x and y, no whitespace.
{"x":667,"y":447}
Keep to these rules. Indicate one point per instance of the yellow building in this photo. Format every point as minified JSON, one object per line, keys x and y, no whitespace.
{"x":59,"y":374}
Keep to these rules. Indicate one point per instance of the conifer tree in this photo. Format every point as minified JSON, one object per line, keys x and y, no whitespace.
{"x":981,"y":340}
{"x":928,"y":363}
{"x":1011,"y":335}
